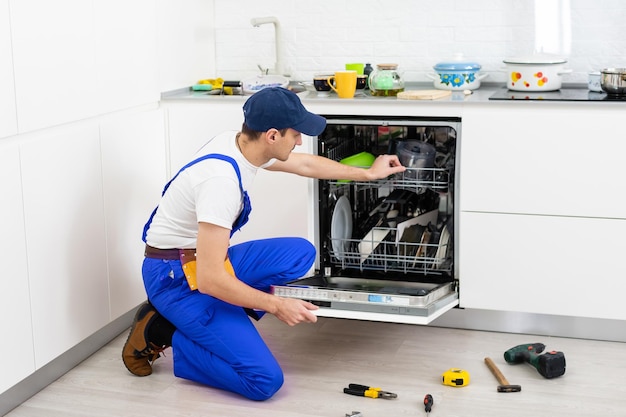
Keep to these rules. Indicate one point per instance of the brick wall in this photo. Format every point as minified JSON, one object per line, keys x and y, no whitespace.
{"x":322,"y":35}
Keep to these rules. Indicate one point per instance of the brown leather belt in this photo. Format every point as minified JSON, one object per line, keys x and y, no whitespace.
{"x":168,"y":254}
{"x":174,"y":254}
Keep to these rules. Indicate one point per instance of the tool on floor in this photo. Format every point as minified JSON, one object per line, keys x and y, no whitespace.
{"x":428,"y":403}
{"x":504,"y":384}
{"x":549,"y":364}
{"x":354,"y":414}
{"x":455,"y":377}
{"x":366,"y":391}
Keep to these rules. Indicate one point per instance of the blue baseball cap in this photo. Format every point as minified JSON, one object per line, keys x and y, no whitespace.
{"x":279,"y":108}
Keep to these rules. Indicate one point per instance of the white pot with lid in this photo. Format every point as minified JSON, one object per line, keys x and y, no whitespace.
{"x":538,"y":72}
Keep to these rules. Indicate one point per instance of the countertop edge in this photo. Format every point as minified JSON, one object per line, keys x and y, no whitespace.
{"x":480,"y":95}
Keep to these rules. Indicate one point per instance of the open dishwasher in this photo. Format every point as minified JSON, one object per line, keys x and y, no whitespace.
{"x":386,"y":248}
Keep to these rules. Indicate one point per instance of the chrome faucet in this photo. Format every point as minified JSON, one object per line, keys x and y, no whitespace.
{"x":258,"y":21}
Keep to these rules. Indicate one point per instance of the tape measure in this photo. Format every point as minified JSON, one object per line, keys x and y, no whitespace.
{"x":455,"y":377}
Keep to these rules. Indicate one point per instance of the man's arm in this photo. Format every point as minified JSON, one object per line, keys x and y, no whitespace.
{"x":214,"y":280}
{"x":315,"y":166}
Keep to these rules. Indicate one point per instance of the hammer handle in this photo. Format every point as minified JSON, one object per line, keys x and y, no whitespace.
{"x":496,"y":372}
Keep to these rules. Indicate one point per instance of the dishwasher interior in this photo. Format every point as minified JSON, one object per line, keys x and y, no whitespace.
{"x":386,"y":246}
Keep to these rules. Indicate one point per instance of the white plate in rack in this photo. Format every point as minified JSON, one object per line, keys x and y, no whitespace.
{"x":442,"y":249}
{"x":341,"y":226}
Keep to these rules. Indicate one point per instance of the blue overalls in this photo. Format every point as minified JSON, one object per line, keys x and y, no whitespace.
{"x":216,"y":343}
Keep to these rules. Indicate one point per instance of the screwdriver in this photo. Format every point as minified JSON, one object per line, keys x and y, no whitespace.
{"x":428,"y":402}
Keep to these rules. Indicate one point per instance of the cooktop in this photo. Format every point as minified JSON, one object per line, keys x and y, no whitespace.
{"x":564,"y":94}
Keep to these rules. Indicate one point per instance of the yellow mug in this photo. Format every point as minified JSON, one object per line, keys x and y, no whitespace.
{"x":344,"y":83}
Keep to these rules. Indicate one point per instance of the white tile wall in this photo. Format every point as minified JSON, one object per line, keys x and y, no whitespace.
{"x":323,"y":35}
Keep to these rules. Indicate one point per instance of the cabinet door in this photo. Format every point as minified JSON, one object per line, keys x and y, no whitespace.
{"x":282,"y":206}
{"x":186,"y":42}
{"x":65,"y":237}
{"x":8,"y":121}
{"x":543,"y":158}
{"x":543,"y":264}
{"x":126,"y":58}
{"x":17,"y":358}
{"x":192,"y":125}
{"x":55,"y":62}
{"x":133,"y":166}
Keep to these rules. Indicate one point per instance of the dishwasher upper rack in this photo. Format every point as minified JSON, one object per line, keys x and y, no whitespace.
{"x":415,"y":179}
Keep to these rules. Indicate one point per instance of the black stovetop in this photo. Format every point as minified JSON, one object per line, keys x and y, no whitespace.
{"x":564,"y":94}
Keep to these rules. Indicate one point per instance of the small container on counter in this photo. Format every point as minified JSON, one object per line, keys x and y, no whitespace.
{"x":367,"y":71}
{"x":385,"y":81}
{"x":594,"y":81}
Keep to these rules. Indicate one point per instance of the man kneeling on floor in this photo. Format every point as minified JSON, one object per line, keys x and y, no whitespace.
{"x":200,"y":289}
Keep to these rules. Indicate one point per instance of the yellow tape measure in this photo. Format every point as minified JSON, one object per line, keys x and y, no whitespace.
{"x":455,"y":377}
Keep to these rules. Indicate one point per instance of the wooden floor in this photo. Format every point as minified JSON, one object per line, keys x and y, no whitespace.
{"x":320,"y":359}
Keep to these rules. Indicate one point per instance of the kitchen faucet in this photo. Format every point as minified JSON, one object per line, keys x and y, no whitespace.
{"x":258,"y":21}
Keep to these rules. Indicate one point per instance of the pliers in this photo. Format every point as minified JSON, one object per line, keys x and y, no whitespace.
{"x":365,"y":391}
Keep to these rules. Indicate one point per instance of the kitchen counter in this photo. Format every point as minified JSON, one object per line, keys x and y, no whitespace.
{"x":480,"y":95}
{"x":488,"y":92}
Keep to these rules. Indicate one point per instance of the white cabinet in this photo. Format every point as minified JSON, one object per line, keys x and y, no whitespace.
{"x":133,"y":167}
{"x":186,"y":42}
{"x":74,"y":202}
{"x":55,"y":61}
{"x":282,"y":206}
{"x":126,"y":56}
{"x":8,"y":118}
{"x":543,"y":158}
{"x":17,"y":358}
{"x":541,"y":214}
{"x":191,"y":125}
{"x":282,"y":203}
{"x":77,"y":59}
{"x":65,"y":235}
{"x":543,"y":264}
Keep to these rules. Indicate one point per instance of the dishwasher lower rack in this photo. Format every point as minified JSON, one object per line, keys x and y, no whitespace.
{"x":390,"y":256}
{"x":412,"y":246}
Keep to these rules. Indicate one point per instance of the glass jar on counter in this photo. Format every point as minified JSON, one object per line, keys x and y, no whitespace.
{"x":385,"y":80}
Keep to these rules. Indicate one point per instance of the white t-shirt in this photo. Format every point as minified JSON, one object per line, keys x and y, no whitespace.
{"x":207,"y":191}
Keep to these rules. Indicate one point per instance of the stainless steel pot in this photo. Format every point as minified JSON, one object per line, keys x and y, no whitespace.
{"x":613,"y":81}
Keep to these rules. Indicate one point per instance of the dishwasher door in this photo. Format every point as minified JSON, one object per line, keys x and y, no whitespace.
{"x":386,"y":247}
{"x":373,"y":299}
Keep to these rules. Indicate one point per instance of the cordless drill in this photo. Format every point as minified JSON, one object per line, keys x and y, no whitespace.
{"x":550,"y":364}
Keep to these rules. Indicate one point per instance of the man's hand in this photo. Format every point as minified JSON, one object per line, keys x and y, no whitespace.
{"x":315,"y":166}
{"x":293,"y":311}
{"x":384,"y":166}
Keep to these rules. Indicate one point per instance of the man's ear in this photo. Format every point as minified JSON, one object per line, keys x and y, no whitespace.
{"x":270,"y":135}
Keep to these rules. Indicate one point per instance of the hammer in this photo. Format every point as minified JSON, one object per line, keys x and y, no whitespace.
{"x":504,"y":384}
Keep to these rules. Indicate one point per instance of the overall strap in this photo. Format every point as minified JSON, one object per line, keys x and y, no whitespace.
{"x":195,"y":161}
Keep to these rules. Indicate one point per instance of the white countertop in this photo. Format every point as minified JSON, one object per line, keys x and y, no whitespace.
{"x":454,"y":105}
{"x":479,"y":95}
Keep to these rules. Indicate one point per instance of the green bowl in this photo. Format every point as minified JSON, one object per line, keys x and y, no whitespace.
{"x":362,"y":159}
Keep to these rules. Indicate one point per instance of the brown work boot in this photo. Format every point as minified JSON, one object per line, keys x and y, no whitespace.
{"x":138,"y":353}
